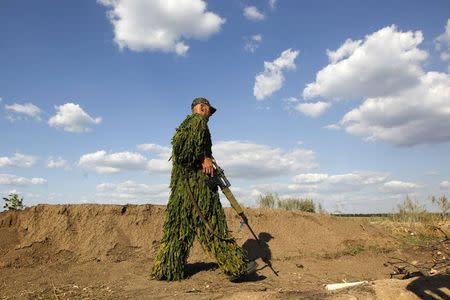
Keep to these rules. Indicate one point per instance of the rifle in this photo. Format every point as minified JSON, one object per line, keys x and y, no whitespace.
{"x":222,"y":181}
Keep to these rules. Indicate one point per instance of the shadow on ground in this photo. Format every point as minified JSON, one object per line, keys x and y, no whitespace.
{"x":434,"y":287}
{"x":194,"y":268}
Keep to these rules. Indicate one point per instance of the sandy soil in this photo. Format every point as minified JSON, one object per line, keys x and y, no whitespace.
{"x":106,"y":252}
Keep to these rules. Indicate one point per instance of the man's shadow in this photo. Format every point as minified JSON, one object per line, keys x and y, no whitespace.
{"x":194,"y":268}
{"x":261,"y":250}
{"x":430,"y":287}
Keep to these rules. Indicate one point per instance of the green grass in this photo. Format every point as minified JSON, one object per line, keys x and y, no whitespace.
{"x":270,"y":200}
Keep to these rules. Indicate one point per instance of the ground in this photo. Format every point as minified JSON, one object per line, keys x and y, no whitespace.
{"x":106,"y":252}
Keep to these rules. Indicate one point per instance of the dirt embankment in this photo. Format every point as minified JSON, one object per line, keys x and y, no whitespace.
{"x":106,"y":251}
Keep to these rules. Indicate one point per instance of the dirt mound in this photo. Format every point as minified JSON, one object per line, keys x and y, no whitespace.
{"x":106,"y":251}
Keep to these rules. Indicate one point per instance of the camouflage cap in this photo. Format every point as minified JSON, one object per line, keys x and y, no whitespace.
{"x":203,"y":100}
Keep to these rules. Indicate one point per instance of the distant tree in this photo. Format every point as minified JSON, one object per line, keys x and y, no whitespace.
{"x":13,"y":202}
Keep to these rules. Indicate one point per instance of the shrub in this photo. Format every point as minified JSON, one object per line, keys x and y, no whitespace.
{"x":297,"y":204}
{"x":267,"y":200}
{"x":13,"y":202}
{"x":411,"y":211}
{"x":270,"y":200}
{"x":443,"y":204}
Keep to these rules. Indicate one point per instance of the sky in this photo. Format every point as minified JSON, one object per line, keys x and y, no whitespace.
{"x":344,"y":102}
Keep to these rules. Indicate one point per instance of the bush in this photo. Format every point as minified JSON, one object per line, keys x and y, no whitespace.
{"x":443,"y":204}
{"x":13,"y":202}
{"x":411,"y":211}
{"x":297,"y":204}
{"x":267,"y":200}
{"x":270,"y":200}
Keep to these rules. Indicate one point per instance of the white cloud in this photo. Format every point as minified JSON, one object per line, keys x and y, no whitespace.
{"x":160,"y":25}
{"x":10,"y":179}
{"x":322,"y":185}
{"x":414,"y":116}
{"x":309,"y":178}
{"x":400,"y":186}
{"x":57,"y":162}
{"x":443,"y":41}
{"x":445,"y":185}
{"x":386,"y":62}
{"x":27,"y":109}
{"x":344,"y":51}
{"x":160,"y":164}
{"x":313,"y":109}
{"x":104,"y":163}
{"x":332,"y":127}
{"x":252,"y":13}
{"x":402,"y":104}
{"x":271,"y":80}
{"x":130,"y":190}
{"x":252,"y":43}
{"x":445,"y":56}
{"x":112,"y":163}
{"x":72,"y":118}
{"x":272,"y":3}
{"x":18,"y":160}
{"x":250,"y":160}
{"x":162,"y":151}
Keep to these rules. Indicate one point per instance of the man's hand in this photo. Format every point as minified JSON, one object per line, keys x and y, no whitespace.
{"x":208,"y":167}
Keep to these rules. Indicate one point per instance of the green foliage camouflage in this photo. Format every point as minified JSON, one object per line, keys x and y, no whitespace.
{"x":190,"y":144}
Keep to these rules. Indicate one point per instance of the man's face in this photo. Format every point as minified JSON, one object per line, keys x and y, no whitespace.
{"x":202,"y":109}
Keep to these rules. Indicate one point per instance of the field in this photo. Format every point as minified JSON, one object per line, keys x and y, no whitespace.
{"x":106,"y":252}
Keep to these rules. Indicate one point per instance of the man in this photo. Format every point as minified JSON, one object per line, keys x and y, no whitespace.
{"x":194,"y":208}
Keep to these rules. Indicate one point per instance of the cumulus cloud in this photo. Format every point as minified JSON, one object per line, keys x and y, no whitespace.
{"x":271,"y":80}
{"x":442,"y":42}
{"x":414,"y":116}
{"x":23,"y":110}
{"x":252,"y":43}
{"x":10,"y":179}
{"x":400,"y":186}
{"x":402,"y":104}
{"x":314,"y":109}
{"x":160,"y":25}
{"x":252,"y":13}
{"x":110,"y":163}
{"x":162,"y":151}
{"x":250,"y":160}
{"x":239,"y":159}
{"x":160,"y":164}
{"x":18,"y":160}
{"x":332,"y":126}
{"x":322,"y":185}
{"x":72,"y":118}
{"x":386,"y":62}
{"x":57,"y":162}
{"x":130,"y":190}
{"x":445,"y":185}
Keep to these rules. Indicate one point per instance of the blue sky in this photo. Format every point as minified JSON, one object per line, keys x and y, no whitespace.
{"x":347,"y":103}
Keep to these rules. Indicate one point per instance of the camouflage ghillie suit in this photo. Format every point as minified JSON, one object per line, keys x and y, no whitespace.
{"x":190,"y":144}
